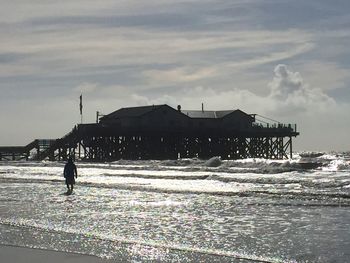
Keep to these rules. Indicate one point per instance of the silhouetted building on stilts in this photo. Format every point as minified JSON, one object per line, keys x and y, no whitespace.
{"x":162,"y":132}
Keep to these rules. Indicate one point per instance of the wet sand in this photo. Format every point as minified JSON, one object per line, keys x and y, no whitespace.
{"x":21,"y":254}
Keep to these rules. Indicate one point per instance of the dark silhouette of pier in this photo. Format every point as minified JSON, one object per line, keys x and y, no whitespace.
{"x":161,"y":132}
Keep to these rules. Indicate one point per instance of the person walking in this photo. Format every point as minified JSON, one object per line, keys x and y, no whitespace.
{"x":70,"y":173}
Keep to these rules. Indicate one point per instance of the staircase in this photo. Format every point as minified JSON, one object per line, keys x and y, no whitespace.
{"x":67,"y":143}
{"x":45,"y":148}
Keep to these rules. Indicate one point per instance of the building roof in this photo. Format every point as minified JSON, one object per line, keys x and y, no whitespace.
{"x":131,"y":112}
{"x":198,"y":114}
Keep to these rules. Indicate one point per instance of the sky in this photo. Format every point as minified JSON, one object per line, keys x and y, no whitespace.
{"x":285,"y":59}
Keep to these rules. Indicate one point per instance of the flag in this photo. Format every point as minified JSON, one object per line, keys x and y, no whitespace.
{"x":81,"y":104}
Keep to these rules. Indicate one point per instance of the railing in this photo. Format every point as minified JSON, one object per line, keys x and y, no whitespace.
{"x":46,"y":143}
{"x":268,"y":123}
{"x":291,"y":127}
{"x":44,"y":147}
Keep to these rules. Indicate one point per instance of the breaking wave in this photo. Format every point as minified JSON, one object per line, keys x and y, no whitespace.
{"x":307,"y":175}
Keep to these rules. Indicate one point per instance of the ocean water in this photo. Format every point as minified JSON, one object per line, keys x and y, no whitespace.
{"x":188,"y":210}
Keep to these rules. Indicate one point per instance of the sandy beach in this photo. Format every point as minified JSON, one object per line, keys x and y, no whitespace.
{"x":21,"y":254}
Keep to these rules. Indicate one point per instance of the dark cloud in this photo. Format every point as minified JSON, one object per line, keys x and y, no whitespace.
{"x":12,"y":57}
{"x":300,"y":13}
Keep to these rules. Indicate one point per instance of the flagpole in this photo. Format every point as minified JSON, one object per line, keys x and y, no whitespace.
{"x":81,"y":108}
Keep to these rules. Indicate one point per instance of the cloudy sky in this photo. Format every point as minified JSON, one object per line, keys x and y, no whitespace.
{"x":285,"y":59}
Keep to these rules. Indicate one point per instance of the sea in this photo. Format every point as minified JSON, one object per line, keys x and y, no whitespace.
{"x":186,"y":210}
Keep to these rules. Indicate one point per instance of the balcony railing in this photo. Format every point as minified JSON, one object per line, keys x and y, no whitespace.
{"x":291,"y":127}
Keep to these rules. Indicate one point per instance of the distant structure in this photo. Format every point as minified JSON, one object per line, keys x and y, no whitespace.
{"x":162,"y":132}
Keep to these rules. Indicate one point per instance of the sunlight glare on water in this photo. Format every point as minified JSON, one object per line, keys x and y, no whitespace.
{"x":158,"y":214}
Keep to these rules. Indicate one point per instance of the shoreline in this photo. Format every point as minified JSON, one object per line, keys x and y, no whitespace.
{"x":10,"y":253}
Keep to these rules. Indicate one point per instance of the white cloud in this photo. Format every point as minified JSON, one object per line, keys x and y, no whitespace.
{"x":288,"y":96}
{"x":292,"y":96}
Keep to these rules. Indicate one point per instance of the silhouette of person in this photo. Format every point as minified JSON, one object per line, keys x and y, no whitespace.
{"x":70,"y":171}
